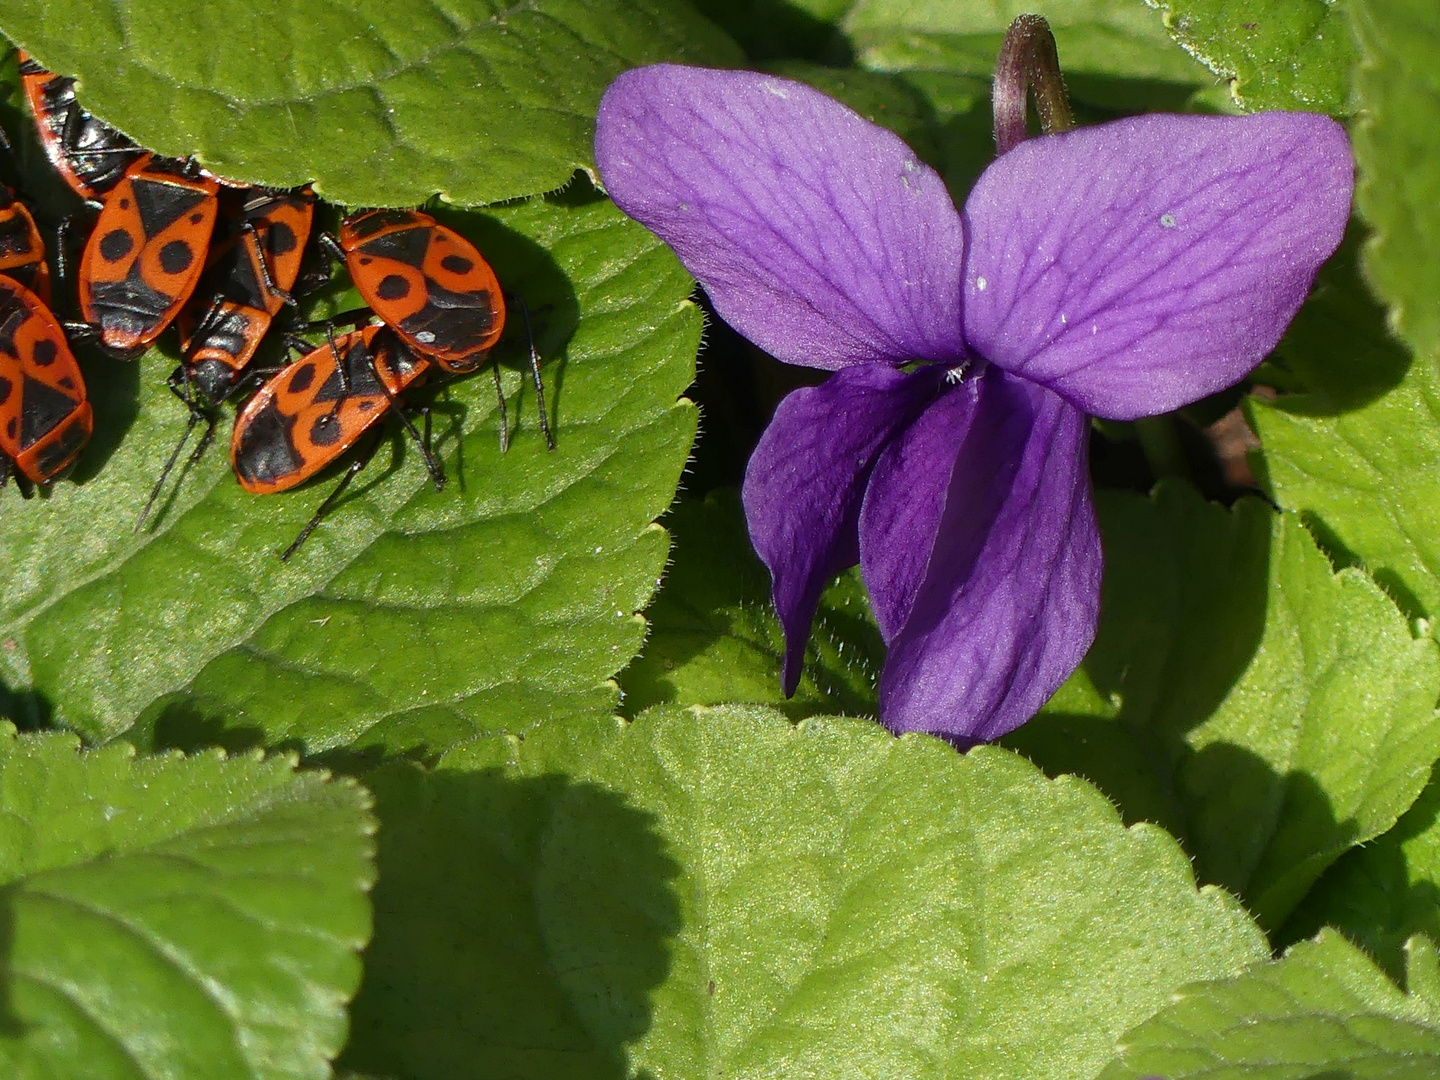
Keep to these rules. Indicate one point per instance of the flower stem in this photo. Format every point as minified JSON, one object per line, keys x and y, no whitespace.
{"x":1160,"y":443}
{"x":1028,"y":61}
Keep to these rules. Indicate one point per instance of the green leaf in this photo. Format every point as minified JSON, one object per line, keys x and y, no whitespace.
{"x":378,"y":103}
{"x":1324,"y":1011}
{"x":1367,"y":479}
{"x":176,"y":918}
{"x":714,"y":637}
{"x":779,"y":29}
{"x":1371,"y":477}
{"x":719,"y":893}
{"x":1268,"y":711}
{"x":1398,"y":191}
{"x":1113,"y":55}
{"x":411,"y":618}
{"x":1277,"y":54}
{"x":1382,"y":894}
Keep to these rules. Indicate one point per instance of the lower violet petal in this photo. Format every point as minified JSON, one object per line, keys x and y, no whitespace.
{"x":900,"y":516}
{"x":806,"y":478}
{"x":1011,"y":593}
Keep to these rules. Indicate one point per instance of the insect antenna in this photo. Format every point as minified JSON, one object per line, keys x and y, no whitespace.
{"x":196,"y":414}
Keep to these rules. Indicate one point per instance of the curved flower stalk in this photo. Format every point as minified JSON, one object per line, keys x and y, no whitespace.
{"x":1119,"y":271}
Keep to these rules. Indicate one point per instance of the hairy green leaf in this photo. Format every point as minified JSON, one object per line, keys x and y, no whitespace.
{"x":1277,"y":54}
{"x":176,"y":918}
{"x":411,"y":618}
{"x":1113,"y":55}
{"x":378,"y":103}
{"x":927,"y":68}
{"x":720,"y":893}
{"x":1382,"y":894}
{"x":1370,"y":476}
{"x":1324,"y":1011}
{"x":1398,"y":193}
{"x":780,"y":29}
{"x":714,"y":637}
{"x":1270,"y":712}
{"x":1368,"y":480}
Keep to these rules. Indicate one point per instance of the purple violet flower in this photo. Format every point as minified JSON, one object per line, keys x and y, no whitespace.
{"x":1120,"y":270}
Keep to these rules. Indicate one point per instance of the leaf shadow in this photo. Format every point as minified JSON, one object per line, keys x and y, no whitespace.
{"x":1339,"y":348}
{"x":521,"y":926}
{"x":737,"y":389}
{"x":1268,"y":851}
{"x":716,"y":591}
{"x":528,"y":272}
{"x":711,"y":578}
{"x":1183,"y":612}
{"x":1374,"y":896}
{"x":113,"y":389}
{"x":1123,"y":95}
{"x":1342,"y":555}
{"x":28,"y":710}
{"x":779,"y":29}
{"x":11,"y":1025}
{"x":179,"y":722}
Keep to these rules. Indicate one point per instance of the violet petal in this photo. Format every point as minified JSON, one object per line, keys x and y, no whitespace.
{"x":1011,"y":593}
{"x":817,"y":235}
{"x":806,"y":479}
{"x":1139,"y":265}
{"x":900,"y":515}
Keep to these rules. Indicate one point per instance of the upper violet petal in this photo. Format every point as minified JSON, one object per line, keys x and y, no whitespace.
{"x":1011,"y":593}
{"x":806,"y":478}
{"x":817,"y":235}
{"x":900,"y":515}
{"x":1139,"y":265}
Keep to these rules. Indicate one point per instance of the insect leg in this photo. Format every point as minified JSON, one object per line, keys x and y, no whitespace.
{"x":269,"y":282}
{"x":535,"y":374}
{"x":334,"y":496}
{"x":432,"y":463}
{"x":205,"y":327}
{"x":341,"y":369}
{"x":500,"y":402}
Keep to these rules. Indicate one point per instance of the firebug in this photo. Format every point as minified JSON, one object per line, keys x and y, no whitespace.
{"x":247,"y":280}
{"x":22,"y":251}
{"x":45,"y":419}
{"x":246,"y":283}
{"x":433,"y":287}
{"x":88,"y":153}
{"x":146,"y":252}
{"x":318,"y":407}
